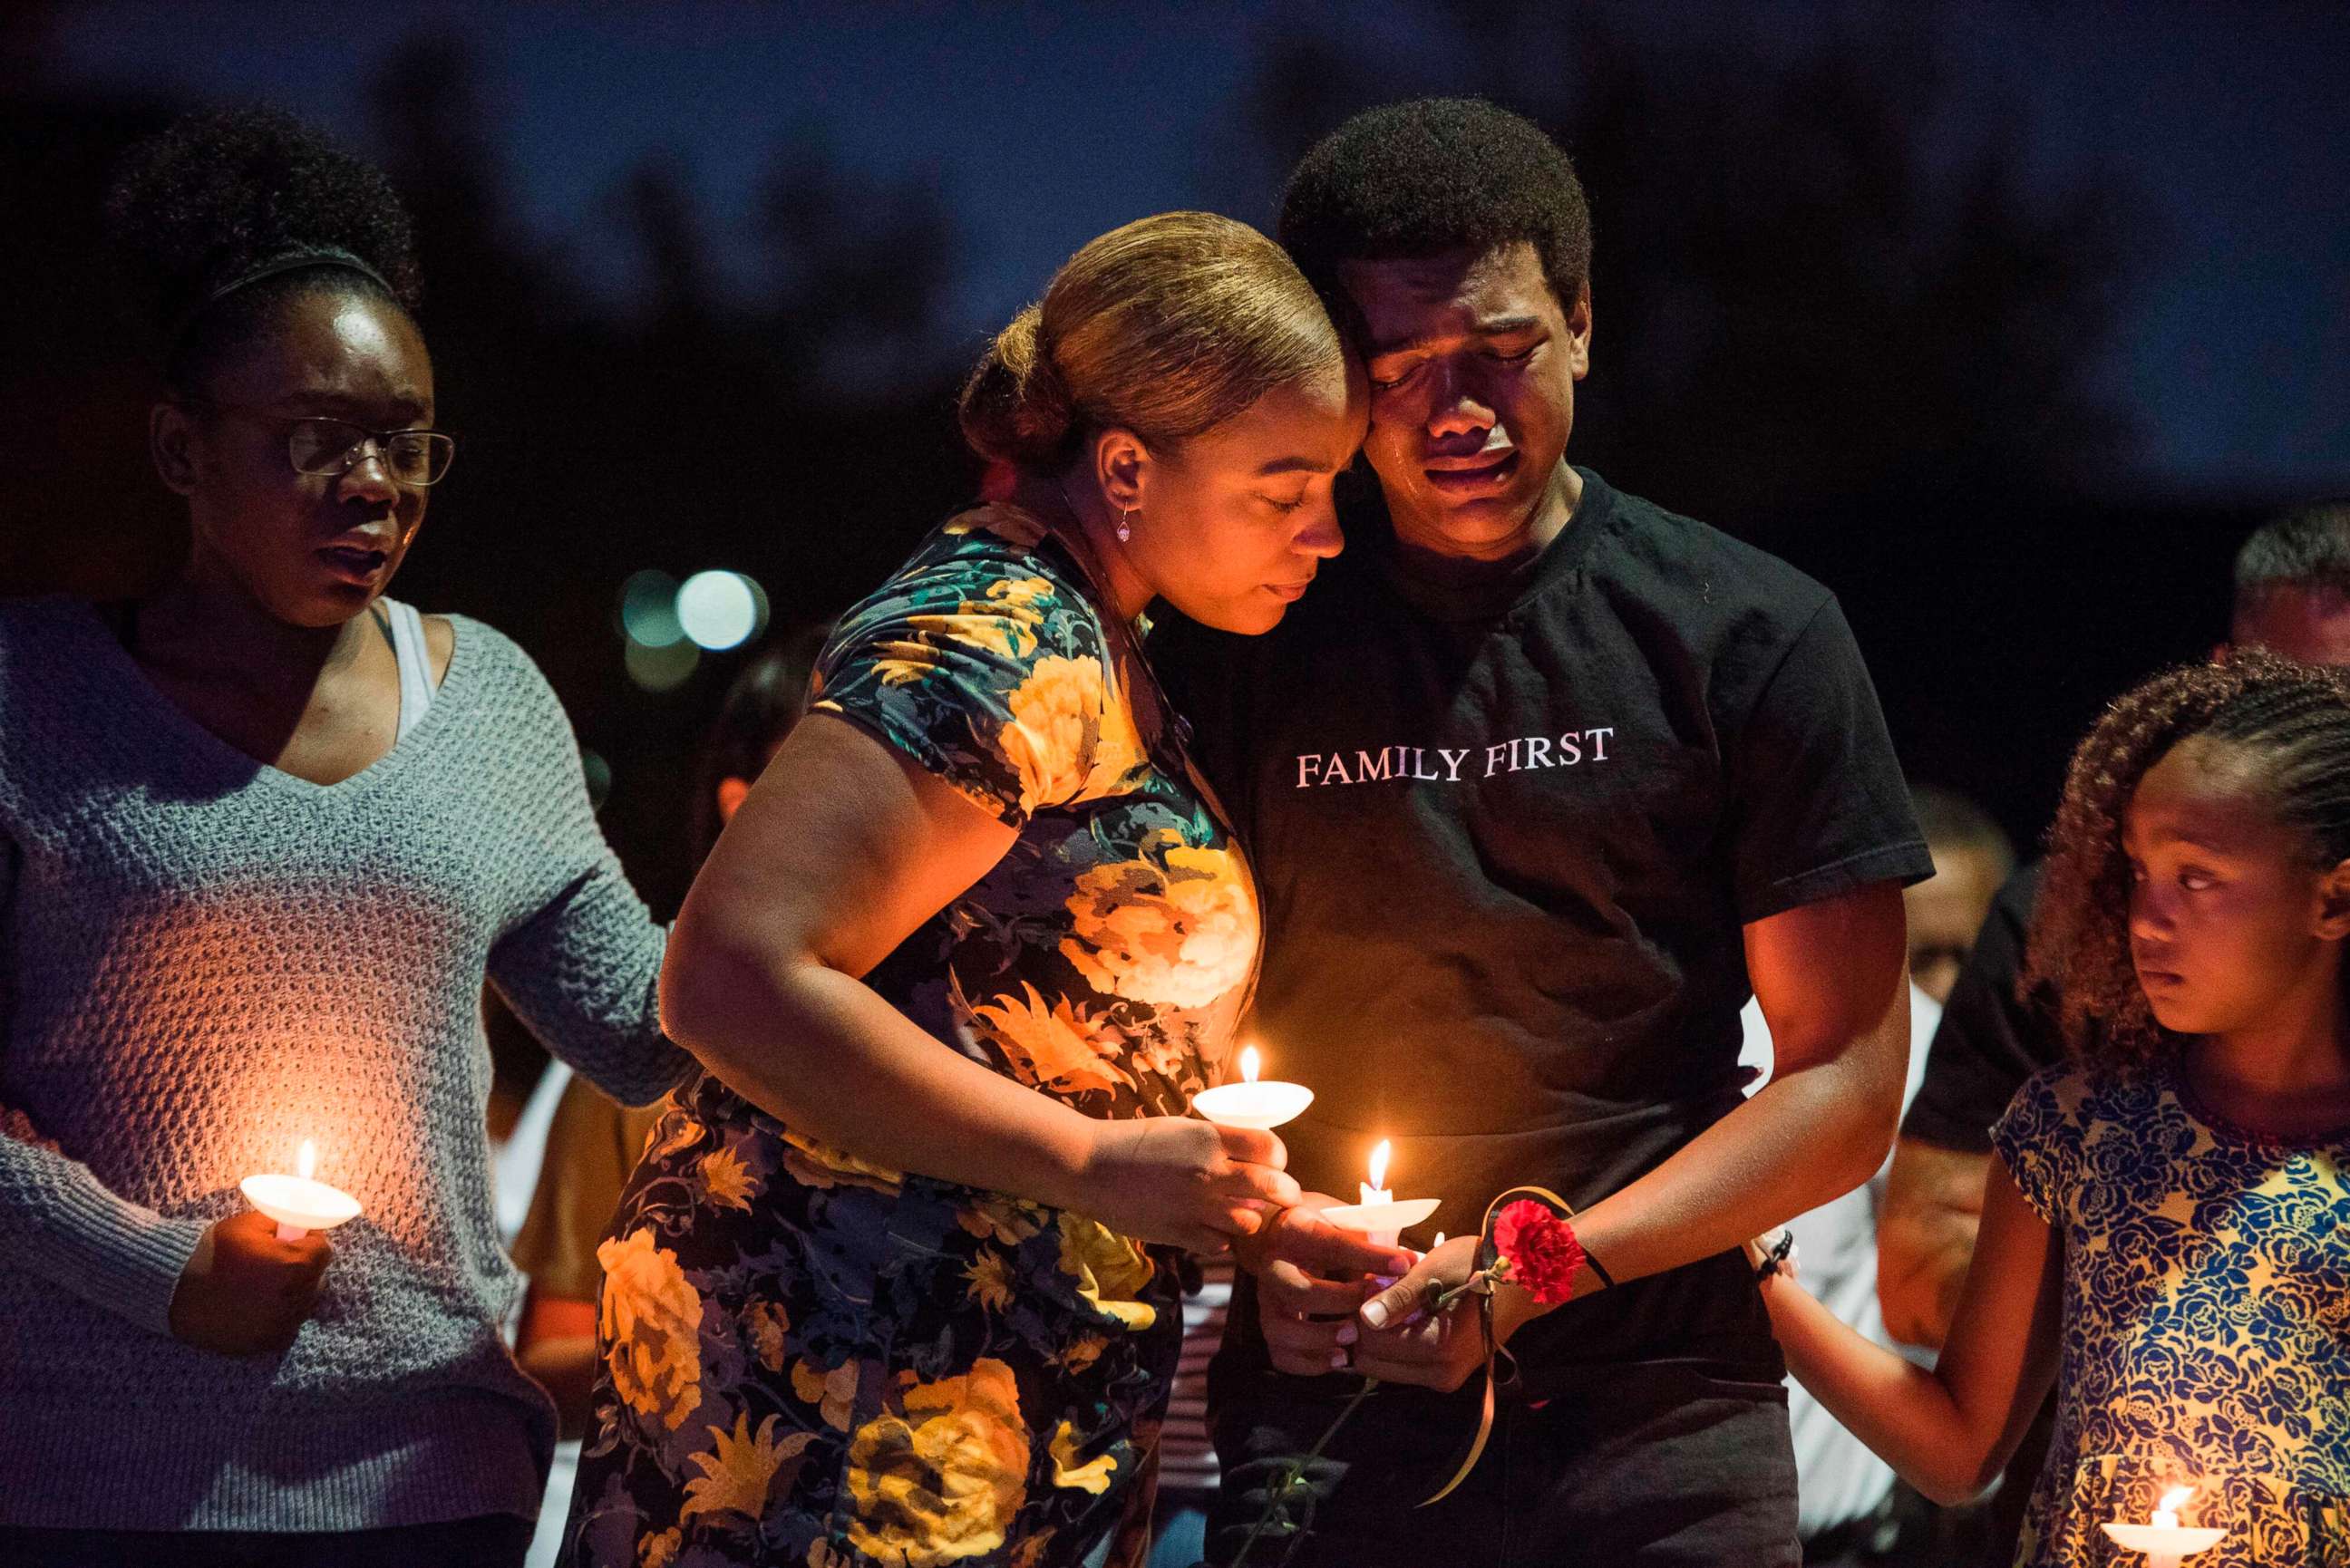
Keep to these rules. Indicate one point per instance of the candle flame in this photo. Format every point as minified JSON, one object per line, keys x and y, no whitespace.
{"x":307,"y":1162}
{"x":1380,"y":1158}
{"x":1250,"y":1066}
{"x":2173,"y":1500}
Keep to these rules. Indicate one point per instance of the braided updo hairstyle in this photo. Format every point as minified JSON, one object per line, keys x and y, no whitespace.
{"x":1166,"y":327}
{"x":2291,"y":720}
{"x":221,"y":194}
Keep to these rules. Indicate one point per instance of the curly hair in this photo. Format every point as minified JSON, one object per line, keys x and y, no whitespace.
{"x":1431,"y":176}
{"x":2291,"y":720}
{"x":221,"y":193}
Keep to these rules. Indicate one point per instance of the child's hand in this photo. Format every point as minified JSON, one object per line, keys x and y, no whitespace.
{"x":1772,"y":1252}
{"x":245,"y":1291}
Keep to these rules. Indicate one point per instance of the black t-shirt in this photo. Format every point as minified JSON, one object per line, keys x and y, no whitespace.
{"x":1991,"y":1038}
{"x":1507,"y":849}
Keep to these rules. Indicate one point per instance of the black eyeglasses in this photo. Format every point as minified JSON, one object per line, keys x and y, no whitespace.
{"x":315,"y":444}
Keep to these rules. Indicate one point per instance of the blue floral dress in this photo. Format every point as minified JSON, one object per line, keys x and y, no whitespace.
{"x":2206,"y":1322}
{"x":809,"y":1360}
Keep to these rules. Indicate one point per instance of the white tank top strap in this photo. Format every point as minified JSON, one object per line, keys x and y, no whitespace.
{"x":414,"y":656}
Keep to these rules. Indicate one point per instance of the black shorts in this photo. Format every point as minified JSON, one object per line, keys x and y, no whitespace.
{"x":1656,"y":1463}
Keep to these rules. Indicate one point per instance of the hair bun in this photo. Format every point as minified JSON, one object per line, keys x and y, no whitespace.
{"x":1015,"y":406}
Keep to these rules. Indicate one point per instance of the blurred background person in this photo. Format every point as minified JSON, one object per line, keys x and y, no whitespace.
{"x":1852,"y":1509}
{"x":592,"y":1140}
{"x":1973,"y":855}
{"x":264,"y":834}
{"x":2291,"y":597}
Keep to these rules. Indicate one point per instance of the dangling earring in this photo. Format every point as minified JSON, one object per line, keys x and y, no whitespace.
{"x":1126,"y":524}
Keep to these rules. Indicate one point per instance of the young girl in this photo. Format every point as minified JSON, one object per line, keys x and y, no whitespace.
{"x":264,"y":835}
{"x":2166,"y":1232}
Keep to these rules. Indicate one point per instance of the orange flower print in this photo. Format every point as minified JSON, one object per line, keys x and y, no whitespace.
{"x":1175,"y":926}
{"x":1067,"y":739}
{"x":1111,"y":1272}
{"x":833,"y":1392}
{"x":1080,"y":1353}
{"x":649,"y":1317}
{"x":821,"y":1166}
{"x":990,"y":1278}
{"x":767,"y":1326}
{"x":1054,"y":1046}
{"x":1093,"y":1476}
{"x":741,"y":1471}
{"x":943,"y":1481}
{"x":1009,"y":1220}
{"x":728,"y":1180}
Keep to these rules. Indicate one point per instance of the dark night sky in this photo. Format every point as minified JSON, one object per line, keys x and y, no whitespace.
{"x":1044,"y":125}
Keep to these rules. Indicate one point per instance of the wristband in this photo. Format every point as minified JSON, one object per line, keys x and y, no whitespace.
{"x":1777,"y":1255}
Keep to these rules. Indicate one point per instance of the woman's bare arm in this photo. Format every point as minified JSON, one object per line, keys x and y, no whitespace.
{"x":841,"y":851}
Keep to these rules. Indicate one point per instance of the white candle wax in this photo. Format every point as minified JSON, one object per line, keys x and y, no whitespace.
{"x":299,"y":1204}
{"x":1379,"y":1215}
{"x":2163,"y":1540}
{"x":1251,"y":1104}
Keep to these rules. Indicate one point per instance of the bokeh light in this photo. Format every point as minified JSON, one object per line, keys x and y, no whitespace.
{"x":599,"y":776}
{"x":661,"y":669}
{"x":648,"y":609}
{"x":720,"y":609}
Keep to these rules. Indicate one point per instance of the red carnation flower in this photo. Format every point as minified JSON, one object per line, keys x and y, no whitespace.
{"x":1539,"y":1246}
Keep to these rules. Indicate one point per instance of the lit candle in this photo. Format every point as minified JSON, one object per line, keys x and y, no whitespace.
{"x":1379,"y":1215}
{"x":1375,"y":1190}
{"x":2162,"y":1538}
{"x":297,"y":1203}
{"x":1249,"y":1103}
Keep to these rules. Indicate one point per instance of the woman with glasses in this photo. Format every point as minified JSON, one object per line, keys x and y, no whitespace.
{"x":264,"y":835}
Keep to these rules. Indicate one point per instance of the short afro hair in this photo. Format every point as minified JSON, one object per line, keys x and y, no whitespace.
{"x":220,"y":193}
{"x":1431,"y":176}
{"x":2306,"y":549}
{"x":1950,"y":821}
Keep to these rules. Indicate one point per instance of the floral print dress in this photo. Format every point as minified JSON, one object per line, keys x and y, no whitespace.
{"x":2206,"y":1329}
{"x":812,"y":1361}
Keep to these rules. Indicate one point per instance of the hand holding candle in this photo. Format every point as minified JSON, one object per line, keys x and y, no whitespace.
{"x":245,"y":1291}
{"x":1380,"y":1216}
{"x":2162,"y":1538}
{"x":298,"y":1203}
{"x":1249,"y":1103}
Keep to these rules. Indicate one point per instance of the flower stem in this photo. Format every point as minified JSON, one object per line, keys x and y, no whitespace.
{"x":1480,"y":1282}
{"x":1273,"y":1503}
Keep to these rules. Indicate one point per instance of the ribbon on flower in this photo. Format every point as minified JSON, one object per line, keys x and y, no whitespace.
{"x":1493,"y":1263}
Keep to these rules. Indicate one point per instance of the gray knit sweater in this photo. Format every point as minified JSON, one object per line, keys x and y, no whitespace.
{"x":203,"y":961}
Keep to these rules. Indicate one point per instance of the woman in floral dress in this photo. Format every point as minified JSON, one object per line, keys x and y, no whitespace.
{"x":890,"y":1286}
